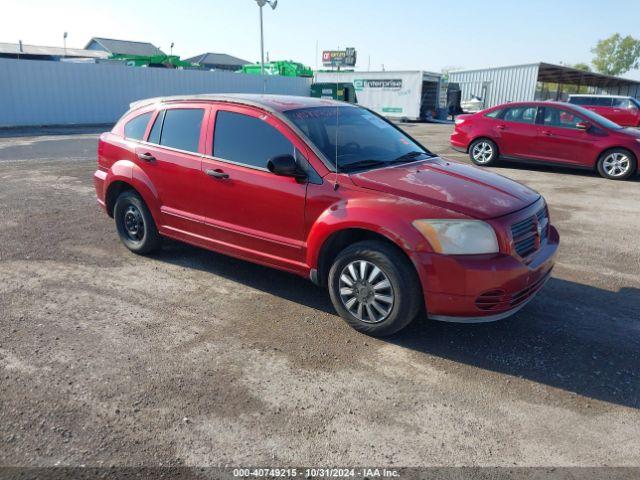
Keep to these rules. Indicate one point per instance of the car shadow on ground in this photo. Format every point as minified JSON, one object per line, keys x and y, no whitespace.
{"x":583,"y":172}
{"x":572,"y":336}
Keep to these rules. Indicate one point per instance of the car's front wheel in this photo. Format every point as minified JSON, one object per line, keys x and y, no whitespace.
{"x":135,"y":225}
{"x":375,"y":288}
{"x":483,"y":152}
{"x":616,"y":164}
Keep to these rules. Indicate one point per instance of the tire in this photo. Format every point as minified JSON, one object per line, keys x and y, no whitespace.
{"x":483,"y":152}
{"x":617,"y":164}
{"x":404,"y":288}
{"x":135,"y":225}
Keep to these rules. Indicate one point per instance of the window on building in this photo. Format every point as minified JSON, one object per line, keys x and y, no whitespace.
{"x":135,"y":128}
{"x":181,"y":128}
{"x":247,"y":140}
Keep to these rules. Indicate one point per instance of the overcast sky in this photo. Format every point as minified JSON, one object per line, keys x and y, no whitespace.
{"x":401,"y":34}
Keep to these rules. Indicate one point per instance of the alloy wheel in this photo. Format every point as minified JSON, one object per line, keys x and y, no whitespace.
{"x":616,"y":164}
{"x":482,"y":152}
{"x":366,"y":292}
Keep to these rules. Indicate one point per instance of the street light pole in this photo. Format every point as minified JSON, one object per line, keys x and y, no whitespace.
{"x":261,"y":3}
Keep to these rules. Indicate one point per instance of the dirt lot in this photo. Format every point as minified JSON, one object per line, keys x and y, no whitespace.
{"x":189,"y":357}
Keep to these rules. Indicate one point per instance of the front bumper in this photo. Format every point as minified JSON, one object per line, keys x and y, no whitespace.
{"x":483,"y":288}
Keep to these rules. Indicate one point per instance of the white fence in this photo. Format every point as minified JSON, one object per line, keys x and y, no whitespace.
{"x":57,"y":93}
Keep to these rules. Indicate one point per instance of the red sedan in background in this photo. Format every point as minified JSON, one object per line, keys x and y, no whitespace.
{"x":548,"y":132}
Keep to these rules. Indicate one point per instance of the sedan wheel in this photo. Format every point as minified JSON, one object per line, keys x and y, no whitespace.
{"x":366,"y":291}
{"x":616,"y":164}
{"x":483,"y":152}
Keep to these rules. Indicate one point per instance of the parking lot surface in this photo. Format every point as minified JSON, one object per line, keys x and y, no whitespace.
{"x":192,"y":358}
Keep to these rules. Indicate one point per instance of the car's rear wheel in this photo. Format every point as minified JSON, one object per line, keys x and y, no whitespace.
{"x":483,"y":152}
{"x":135,"y":225}
{"x":617,"y":164}
{"x":375,"y":288}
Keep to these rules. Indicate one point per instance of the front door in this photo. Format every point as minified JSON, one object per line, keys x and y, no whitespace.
{"x":561,"y":141}
{"x":249,"y":211}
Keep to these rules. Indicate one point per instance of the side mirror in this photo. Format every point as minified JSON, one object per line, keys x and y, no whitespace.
{"x":285,"y":166}
{"x":583,"y":126}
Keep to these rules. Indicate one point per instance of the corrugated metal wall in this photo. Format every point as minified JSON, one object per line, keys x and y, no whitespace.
{"x":498,"y":85}
{"x":55,"y":93}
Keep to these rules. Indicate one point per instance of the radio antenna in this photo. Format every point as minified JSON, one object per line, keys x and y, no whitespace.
{"x":335,"y":183}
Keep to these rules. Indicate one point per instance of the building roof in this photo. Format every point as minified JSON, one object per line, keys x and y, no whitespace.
{"x":276,"y":103}
{"x":217,"y":59}
{"x":548,"y":72}
{"x":126,"y":47}
{"x":36,"y":50}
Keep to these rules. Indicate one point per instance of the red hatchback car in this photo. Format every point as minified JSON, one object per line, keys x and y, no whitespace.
{"x":548,"y":132}
{"x":394,"y":230}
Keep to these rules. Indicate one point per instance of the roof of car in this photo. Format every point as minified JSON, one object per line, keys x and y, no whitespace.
{"x":597,"y":96}
{"x":277,"y":103}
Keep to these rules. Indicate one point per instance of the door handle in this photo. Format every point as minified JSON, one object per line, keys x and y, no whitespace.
{"x":147,"y":157}
{"x":547,"y":133}
{"x":217,"y":173}
{"x":501,"y":127}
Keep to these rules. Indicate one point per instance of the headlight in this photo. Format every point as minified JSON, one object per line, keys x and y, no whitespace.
{"x":459,"y":237}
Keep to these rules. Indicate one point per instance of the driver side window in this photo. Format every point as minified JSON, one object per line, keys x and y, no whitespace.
{"x":247,"y":140}
{"x":556,"y":117}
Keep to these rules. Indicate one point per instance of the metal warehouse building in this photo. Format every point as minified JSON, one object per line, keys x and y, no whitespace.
{"x":537,"y":81}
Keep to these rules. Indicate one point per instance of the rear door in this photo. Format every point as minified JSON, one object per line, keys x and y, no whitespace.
{"x":515,"y":131}
{"x":249,"y":211}
{"x":560,"y":141}
{"x":172,"y":158}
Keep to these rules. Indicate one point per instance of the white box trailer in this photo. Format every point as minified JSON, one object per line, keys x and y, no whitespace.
{"x":407,"y":95}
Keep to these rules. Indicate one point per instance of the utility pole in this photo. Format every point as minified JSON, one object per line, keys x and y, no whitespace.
{"x":64,"y":42}
{"x":261,"y":3}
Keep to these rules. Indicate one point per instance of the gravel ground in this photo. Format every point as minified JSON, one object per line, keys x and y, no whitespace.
{"x":192,"y":358}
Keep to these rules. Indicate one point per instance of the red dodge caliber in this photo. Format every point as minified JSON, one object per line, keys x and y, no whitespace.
{"x":331,"y":192}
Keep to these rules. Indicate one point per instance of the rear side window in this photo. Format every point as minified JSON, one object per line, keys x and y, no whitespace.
{"x":181,"y":128}
{"x":247,"y":140}
{"x":580,"y":100}
{"x":154,"y":135}
{"x":602,"y":102}
{"x":521,"y":114}
{"x":494,"y":114}
{"x":135,"y":128}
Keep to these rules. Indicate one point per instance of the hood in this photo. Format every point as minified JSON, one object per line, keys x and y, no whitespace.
{"x":456,"y":186}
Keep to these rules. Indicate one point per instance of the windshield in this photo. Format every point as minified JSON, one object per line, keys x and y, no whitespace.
{"x":605,"y":122}
{"x":363,"y":139}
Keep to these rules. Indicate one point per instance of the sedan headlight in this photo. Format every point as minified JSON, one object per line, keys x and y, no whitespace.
{"x":459,"y":237}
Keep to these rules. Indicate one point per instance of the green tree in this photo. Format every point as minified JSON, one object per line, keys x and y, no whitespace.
{"x":616,"y":55}
{"x":582,"y":66}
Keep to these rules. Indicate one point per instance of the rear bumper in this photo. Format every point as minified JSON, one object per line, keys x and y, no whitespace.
{"x":99,"y":178}
{"x":459,"y":141}
{"x":483,"y":288}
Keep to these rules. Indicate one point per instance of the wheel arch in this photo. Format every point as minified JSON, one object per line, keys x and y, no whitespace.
{"x":342,"y":238}
{"x":126,"y":175}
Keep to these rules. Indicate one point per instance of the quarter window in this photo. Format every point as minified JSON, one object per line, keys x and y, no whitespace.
{"x":521,"y":114}
{"x":135,"y":128}
{"x":181,"y":128}
{"x":494,"y":114}
{"x":247,"y":140}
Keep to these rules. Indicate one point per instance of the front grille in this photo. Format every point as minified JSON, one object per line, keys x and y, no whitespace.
{"x":530,"y":233}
